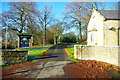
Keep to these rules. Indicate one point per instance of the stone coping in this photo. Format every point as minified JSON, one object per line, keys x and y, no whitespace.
{"x":13,"y":50}
{"x":95,"y":46}
{"x":24,"y":34}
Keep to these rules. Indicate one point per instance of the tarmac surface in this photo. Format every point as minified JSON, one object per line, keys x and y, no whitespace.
{"x":50,"y":66}
{"x":55,"y":65}
{"x":56,"y":53}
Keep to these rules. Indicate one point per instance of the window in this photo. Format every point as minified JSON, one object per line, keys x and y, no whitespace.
{"x":92,"y":37}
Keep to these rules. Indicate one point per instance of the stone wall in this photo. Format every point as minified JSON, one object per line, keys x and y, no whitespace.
{"x":101,"y":53}
{"x":14,"y":56}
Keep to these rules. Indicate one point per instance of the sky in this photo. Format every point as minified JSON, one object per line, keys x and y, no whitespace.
{"x":57,"y":8}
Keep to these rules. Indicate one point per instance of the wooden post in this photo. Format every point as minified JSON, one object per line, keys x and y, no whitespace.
{"x":30,"y":41}
{"x":18,"y":42}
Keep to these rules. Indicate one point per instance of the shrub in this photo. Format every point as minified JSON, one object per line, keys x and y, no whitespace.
{"x":9,"y":46}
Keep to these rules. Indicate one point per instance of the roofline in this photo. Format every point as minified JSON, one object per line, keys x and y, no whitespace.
{"x":111,"y":19}
{"x":24,"y":34}
{"x":107,"y":10}
{"x":104,"y":16}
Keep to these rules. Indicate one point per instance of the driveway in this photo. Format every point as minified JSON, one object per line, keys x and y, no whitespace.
{"x":49,"y":66}
{"x":56,"y":53}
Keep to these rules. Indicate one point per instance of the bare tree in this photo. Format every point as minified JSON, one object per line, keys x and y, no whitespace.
{"x":18,"y":15}
{"x":18,"y":19}
{"x":78,"y":14}
{"x":115,"y":6}
{"x":45,"y":17}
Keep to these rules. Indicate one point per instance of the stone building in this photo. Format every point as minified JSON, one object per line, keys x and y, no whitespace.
{"x":103,"y":28}
{"x":103,"y":38}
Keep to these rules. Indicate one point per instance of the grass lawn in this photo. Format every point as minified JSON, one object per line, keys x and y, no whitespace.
{"x":76,"y":60}
{"x":36,"y":50}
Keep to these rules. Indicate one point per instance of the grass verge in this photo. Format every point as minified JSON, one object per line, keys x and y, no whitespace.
{"x":75,"y":60}
{"x":70,"y":52}
{"x":37,"y":50}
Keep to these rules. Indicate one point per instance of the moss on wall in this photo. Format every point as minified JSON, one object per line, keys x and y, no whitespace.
{"x":14,"y":56}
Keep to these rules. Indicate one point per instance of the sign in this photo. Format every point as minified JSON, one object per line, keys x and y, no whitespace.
{"x":24,"y":41}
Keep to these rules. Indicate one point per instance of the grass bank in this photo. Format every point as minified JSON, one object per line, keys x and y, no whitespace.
{"x":70,"y":51}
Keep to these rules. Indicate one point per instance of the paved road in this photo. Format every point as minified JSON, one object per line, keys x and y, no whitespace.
{"x":54,"y":64}
{"x":56,"y":53}
{"x":49,"y":67}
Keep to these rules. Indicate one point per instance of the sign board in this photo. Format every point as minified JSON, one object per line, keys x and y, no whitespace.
{"x":24,"y":41}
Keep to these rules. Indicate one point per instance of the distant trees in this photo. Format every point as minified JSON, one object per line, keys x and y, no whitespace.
{"x":57,"y":30}
{"x":69,"y":38}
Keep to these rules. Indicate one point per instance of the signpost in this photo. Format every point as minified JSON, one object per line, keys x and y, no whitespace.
{"x":25,"y":40}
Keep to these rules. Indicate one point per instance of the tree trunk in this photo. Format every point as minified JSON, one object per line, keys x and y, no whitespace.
{"x":44,"y":37}
{"x":54,"y":39}
{"x":44,"y":34}
{"x":80,"y":32}
{"x":45,"y":25}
